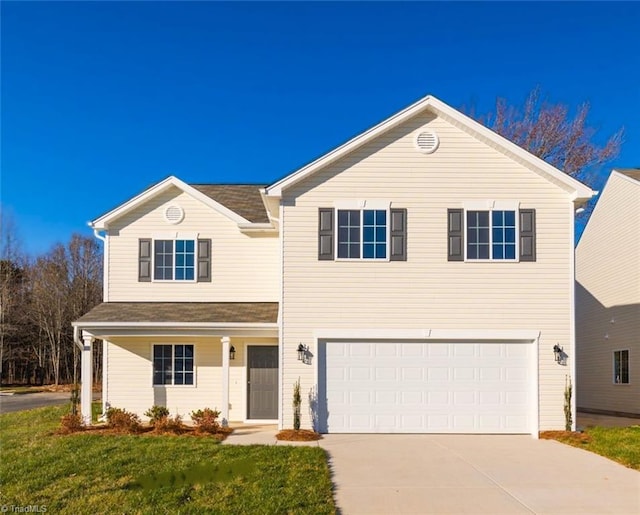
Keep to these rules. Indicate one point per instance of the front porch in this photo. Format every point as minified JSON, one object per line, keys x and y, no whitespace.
{"x":231,"y":365}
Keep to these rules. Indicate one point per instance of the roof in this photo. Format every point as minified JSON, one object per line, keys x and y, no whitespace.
{"x":578,"y":191}
{"x":633,"y":173}
{"x":244,"y":199}
{"x":242,"y":204}
{"x":182,"y":312}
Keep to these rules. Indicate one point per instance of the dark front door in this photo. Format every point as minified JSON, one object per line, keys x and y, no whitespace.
{"x":262,"y":382}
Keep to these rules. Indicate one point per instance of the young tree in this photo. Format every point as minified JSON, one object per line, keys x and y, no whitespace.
{"x":548,"y":131}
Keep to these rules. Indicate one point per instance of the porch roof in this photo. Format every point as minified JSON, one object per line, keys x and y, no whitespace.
{"x":181,"y":313}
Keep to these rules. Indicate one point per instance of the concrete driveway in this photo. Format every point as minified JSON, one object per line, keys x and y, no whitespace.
{"x":420,"y":474}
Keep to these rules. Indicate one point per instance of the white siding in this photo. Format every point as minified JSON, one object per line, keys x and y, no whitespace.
{"x":244,"y":268}
{"x":608,"y":298}
{"x":129,"y":365}
{"x":427,"y":291}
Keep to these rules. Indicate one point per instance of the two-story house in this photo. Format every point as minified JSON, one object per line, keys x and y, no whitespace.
{"x":415,"y":279}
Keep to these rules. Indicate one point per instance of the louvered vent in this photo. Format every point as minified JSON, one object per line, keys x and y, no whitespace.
{"x":173,"y":214}
{"x":427,"y":142}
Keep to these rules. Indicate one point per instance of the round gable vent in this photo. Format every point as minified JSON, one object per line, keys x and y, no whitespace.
{"x":427,"y":142}
{"x":173,"y":214}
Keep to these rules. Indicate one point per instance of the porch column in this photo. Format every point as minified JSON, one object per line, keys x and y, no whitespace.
{"x":225,"y":381}
{"x":86,"y":377}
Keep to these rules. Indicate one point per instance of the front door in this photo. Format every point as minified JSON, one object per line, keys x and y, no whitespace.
{"x":262,"y":382}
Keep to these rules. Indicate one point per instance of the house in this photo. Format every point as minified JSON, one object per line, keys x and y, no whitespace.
{"x":608,"y":300}
{"x":415,"y":279}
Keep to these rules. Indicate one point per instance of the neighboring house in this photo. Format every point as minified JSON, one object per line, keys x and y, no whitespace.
{"x":608,"y":300}
{"x":415,"y":279}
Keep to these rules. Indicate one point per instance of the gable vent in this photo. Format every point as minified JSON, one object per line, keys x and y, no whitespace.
{"x":173,"y":214}
{"x":427,"y":142}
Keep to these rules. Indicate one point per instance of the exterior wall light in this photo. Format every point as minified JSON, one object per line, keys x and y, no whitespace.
{"x":558,"y":353}
{"x":232,"y":352}
{"x":302,"y":352}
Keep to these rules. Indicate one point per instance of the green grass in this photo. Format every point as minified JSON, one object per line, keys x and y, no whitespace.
{"x":621,"y":444}
{"x":100,"y":473}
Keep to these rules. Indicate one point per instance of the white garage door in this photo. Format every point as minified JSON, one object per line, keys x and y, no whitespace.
{"x":418,"y":387}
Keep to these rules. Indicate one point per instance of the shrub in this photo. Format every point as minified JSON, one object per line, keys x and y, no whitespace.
{"x":206,"y":420}
{"x":155,"y":413}
{"x":169,"y":424}
{"x":297,"y":402}
{"x":71,"y":423}
{"x":123,"y":420}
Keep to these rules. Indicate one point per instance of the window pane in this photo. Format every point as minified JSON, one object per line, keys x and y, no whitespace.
{"x":483,"y":251}
{"x":354,"y":250}
{"x":368,"y":234}
{"x":375,"y":232}
{"x":381,"y":250}
{"x":179,"y":378}
{"x":369,"y":218}
{"x":343,"y":250}
{"x":354,"y":235}
{"x":368,"y":251}
{"x":162,"y":364}
{"x":188,"y":378}
{"x":498,"y":218}
{"x":497,"y":235}
{"x":163,"y":259}
{"x":510,"y":218}
{"x":185,"y":258}
{"x":509,"y":251}
{"x":503,"y":234}
{"x":381,"y":217}
{"x":498,"y":252}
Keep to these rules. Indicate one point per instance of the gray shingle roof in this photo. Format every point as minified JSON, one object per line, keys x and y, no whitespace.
{"x":240,"y":198}
{"x":185,"y":312}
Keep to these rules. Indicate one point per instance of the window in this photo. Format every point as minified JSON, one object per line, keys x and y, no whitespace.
{"x":172,"y":365}
{"x":621,"y":367}
{"x":491,"y":235}
{"x":362,"y":234}
{"x":174,"y":260}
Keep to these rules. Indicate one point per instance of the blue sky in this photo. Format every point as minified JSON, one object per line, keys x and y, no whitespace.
{"x":102,"y":99}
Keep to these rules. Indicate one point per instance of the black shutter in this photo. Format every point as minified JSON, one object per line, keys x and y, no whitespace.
{"x":527,"y":235}
{"x":144,"y":260}
{"x":325,"y":233}
{"x":398,"y":235}
{"x":455,"y":233}
{"x":204,"y":261}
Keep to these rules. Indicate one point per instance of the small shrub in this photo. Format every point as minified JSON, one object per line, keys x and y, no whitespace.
{"x":155,"y":413}
{"x":206,"y":420}
{"x":172,"y":425}
{"x":568,"y":391}
{"x":71,"y":423}
{"x":123,"y":420}
{"x":297,"y":402}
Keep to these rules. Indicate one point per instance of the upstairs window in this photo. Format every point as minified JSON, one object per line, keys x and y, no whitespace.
{"x":491,"y":235}
{"x":174,"y":260}
{"x":621,"y":367}
{"x":181,"y":259}
{"x":362,"y":234}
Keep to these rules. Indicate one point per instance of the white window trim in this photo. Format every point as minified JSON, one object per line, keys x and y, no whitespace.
{"x":495,"y":206}
{"x":174,"y":237}
{"x":613,"y":357}
{"x":367,"y":206}
{"x":195,"y":367}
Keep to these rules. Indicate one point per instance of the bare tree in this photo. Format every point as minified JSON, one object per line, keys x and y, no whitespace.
{"x":548,"y":131}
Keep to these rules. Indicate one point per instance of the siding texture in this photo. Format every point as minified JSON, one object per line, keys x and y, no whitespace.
{"x":608,"y":299}
{"x":244,"y":268}
{"x":129,"y":362}
{"x":427,"y":290}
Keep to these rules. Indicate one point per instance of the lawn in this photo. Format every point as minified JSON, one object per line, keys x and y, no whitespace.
{"x":99,"y":473}
{"x":621,"y":444}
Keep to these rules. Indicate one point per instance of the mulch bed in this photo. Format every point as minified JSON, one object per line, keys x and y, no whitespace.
{"x":300,"y":435}
{"x":103,"y":429}
{"x":564,"y":436}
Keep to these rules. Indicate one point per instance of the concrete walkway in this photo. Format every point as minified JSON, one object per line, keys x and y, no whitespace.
{"x":473,"y":474}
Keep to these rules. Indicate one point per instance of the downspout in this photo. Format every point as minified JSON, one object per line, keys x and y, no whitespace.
{"x":105,"y":298}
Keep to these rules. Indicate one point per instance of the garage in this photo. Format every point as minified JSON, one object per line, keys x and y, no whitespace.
{"x":426,"y":387}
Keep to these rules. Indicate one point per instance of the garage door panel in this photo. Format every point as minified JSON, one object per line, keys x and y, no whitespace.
{"x":426,"y":387}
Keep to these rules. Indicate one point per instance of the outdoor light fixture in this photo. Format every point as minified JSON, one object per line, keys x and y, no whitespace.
{"x":557,"y":352}
{"x":232,"y":352}
{"x":302,"y":351}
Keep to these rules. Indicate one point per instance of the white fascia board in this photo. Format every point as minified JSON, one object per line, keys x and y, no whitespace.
{"x":523,"y":335}
{"x":258,"y":227}
{"x":616,"y":173}
{"x":104,"y":220}
{"x":580,"y":191}
{"x":136,"y":329}
{"x":176,"y":324}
